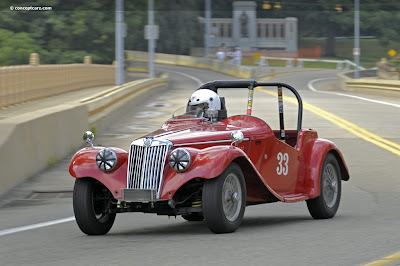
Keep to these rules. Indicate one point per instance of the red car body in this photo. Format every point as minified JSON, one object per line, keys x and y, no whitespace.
{"x":274,"y":169}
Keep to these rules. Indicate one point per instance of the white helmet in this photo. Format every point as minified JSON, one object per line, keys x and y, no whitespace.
{"x":205,"y":99}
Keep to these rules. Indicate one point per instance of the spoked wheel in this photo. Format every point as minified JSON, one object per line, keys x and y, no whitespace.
{"x":224,"y":200}
{"x":326,"y":205}
{"x":92,"y":201}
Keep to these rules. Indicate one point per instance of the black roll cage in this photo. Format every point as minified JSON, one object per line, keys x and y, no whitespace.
{"x":251,"y":84}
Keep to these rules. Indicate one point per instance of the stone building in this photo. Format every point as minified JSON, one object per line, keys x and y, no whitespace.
{"x":244,"y":29}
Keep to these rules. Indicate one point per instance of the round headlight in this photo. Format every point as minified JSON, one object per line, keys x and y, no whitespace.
{"x":179,"y":160}
{"x":106,"y":159}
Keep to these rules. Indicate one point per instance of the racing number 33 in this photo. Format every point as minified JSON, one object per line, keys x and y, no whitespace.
{"x":283,"y":167}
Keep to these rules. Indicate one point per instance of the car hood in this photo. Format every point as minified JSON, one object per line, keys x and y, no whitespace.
{"x":198,"y":133}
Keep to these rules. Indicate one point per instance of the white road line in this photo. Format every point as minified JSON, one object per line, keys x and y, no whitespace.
{"x":311,"y":87}
{"x":35,"y":226}
{"x":199,"y":82}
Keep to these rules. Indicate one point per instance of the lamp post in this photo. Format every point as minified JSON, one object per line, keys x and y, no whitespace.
{"x":151,"y":39}
{"x":208,"y":28}
{"x":356,"y":51}
{"x":119,"y":42}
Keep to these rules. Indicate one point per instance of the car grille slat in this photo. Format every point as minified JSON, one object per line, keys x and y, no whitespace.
{"x":146,"y":165}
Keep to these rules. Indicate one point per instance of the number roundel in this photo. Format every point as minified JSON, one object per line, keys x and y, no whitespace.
{"x":283,"y":164}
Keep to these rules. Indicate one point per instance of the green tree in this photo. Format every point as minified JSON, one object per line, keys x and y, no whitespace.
{"x":15,"y":48}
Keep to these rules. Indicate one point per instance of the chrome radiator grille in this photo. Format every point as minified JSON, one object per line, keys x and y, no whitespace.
{"x":146,"y":163}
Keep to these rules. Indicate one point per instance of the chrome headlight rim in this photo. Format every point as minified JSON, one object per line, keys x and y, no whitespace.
{"x":106,"y":159}
{"x":180,"y":160}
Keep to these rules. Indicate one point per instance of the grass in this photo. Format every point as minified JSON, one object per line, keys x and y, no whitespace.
{"x":372,"y":51}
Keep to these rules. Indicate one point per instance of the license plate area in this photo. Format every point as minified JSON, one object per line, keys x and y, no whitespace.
{"x":139,"y":195}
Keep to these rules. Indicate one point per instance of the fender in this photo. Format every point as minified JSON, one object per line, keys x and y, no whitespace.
{"x":314,"y":153}
{"x":83,"y":164}
{"x":207,"y":163}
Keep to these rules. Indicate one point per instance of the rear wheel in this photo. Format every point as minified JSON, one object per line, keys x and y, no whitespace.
{"x":92,"y":202}
{"x":327,"y":203}
{"x":224,"y":200}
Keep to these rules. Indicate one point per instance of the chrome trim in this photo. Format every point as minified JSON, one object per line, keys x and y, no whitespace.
{"x":207,"y":142}
{"x":146,"y":164}
{"x":186,"y":119}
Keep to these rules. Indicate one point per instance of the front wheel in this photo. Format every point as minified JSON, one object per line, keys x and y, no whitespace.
{"x":224,"y":200}
{"x":326,"y":204}
{"x":92,"y":202}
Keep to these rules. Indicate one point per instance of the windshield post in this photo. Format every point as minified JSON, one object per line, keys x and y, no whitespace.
{"x":250,"y":99}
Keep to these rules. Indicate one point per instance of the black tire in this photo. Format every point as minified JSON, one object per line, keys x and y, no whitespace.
{"x":193,"y":217}
{"x":91,"y":199}
{"x":227,"y":190}
{"x":326,"y":204}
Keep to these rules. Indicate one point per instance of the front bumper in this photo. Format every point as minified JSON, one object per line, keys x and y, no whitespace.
{"x":139,"y":195}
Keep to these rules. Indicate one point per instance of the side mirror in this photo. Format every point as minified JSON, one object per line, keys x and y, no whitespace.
{"x":88,"y":137}
{"x":237,"y":137}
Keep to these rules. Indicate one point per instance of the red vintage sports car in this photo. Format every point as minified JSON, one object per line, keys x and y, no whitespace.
{"x":202,"y":164}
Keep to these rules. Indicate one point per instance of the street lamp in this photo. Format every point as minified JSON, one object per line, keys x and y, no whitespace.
{"x":119,"y":42}
{"x":268,"y":5}
{"x":208,"y":28}
{"x":356,"y":50}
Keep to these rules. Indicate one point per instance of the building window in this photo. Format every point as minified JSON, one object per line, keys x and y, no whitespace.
{"x":273,"y":30}
{"x":283,"y":31}
{"x":267,"y":30}
{"x":221,"y":30}
{"x":229,"y":30}
{"x":258,"y":30}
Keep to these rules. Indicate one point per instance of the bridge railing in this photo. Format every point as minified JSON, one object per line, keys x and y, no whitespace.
{"x":290,"y":62}
{"x":28,"y":82}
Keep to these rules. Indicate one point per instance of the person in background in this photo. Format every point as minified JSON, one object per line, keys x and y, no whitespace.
{"x":238,"y":56}
{"x":231,"y":56}
{"x":221,"y":54}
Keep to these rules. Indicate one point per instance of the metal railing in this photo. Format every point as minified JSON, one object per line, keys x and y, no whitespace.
{"x":290,"y":62}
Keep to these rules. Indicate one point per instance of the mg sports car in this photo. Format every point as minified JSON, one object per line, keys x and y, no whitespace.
{"x":205,"y":165}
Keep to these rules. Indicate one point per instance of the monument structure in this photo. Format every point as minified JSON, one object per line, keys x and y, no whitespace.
{"x":248,"y":32}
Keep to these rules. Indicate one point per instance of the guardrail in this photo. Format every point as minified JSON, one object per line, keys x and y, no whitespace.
{"x":28,"y":82}
{"x":290,"y":62}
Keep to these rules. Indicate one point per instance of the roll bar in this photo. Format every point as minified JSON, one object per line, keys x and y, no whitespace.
{"x":251,"y":84}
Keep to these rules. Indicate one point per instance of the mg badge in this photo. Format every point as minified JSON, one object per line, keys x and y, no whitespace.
{"x":148,"y":141}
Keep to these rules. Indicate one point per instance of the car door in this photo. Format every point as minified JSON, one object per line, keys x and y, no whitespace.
{"x":280,"y":166}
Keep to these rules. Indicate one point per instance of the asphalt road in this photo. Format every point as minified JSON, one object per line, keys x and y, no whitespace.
{"x":365,"y":228}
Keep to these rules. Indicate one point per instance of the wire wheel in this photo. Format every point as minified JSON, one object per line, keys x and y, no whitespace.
{"x":224,"y":200}
{"x":327,"y":203}
{"x":330,"y":185}
{"x":231,"y":197}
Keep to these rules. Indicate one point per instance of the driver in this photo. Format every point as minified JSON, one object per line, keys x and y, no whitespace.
{"x":205,"y":103}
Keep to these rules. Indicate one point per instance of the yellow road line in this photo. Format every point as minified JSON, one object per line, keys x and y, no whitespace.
{"x":356,"y":130}
{"x":386,"y":260}
{"x":359,"y":132}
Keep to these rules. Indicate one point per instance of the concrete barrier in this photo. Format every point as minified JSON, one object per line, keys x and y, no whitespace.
{"x":245,"y":72}
{"x":32,"y":142}
{"x":367,"y":82}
